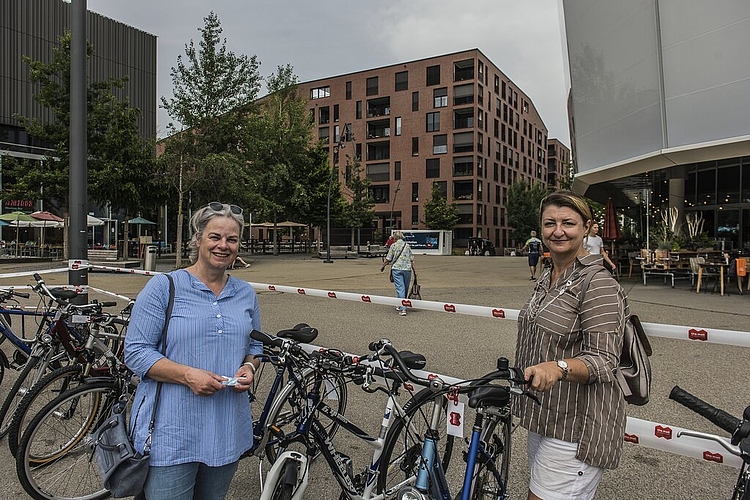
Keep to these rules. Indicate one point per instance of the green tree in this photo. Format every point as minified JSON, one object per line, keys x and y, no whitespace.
{"x":213,"y":98}
{"x":359,"y":211}
{"x":523,"y":208}
{"x":287,"y":172}
{"x":438,"y":213}
{"x":120,"y":163}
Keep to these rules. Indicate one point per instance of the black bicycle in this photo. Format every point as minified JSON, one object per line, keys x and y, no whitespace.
{"x":739,"y":429}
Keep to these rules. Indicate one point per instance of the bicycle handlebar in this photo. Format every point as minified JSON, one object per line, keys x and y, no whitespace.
{"x":9,"y":293}
{"x":716,"y":416}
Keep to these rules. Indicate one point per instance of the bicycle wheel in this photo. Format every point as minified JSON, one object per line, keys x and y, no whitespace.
{"x":284,"y":488}
{"x":48,"y":388}
{"x":291,"y":400}
{"x":402,"y":449}
{"x":55,"y":458}
{"x":490,"y":481}
{"x":26,"y":379}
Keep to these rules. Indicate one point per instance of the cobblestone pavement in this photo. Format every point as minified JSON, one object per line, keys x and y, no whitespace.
{"x":466,"y":346}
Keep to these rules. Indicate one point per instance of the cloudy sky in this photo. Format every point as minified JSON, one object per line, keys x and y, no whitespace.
{"x":331,"y":37}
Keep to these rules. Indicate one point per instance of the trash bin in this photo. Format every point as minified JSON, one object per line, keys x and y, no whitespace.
{"x":149,"y":259}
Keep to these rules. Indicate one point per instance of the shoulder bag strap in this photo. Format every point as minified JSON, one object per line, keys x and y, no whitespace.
{"x":399,"y":254}
{"x":170,"y":304}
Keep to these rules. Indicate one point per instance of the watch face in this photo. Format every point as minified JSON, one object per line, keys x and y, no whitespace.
{"x":562,"y":364}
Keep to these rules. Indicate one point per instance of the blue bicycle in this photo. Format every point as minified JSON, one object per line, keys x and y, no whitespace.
{"x":421,"y":460}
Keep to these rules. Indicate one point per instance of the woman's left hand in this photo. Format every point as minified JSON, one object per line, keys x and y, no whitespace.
{"x":543,"y":376}
{"x":244,"y":376}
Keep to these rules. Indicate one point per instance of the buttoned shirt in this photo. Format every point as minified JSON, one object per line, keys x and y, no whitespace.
{"x":206,"y":332}
{"x":550,"y":327}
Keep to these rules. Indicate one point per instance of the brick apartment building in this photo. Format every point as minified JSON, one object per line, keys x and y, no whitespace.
{"x":558,"y":163}
{"x":455,"y":120}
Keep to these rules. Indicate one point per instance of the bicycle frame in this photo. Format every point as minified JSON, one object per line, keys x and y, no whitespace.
{"x":340,"y":464}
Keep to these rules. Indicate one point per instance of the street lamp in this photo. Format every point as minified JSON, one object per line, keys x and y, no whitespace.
{"x":391,"y":222}
{"x":346,"y":135}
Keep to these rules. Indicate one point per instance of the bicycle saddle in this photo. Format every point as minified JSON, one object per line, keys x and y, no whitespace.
{"x":63,"y":294}
{"x":301,"y":332}
{"x":489,"y":396}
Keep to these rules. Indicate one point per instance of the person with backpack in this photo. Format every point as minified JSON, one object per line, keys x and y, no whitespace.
{"x":534,"y":246}
{"x":571,"y":352}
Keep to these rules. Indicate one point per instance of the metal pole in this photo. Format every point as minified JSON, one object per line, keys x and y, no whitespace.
{"x":78,"y":267}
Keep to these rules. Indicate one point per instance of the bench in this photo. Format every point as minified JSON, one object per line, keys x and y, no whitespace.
{"x":339,"y":252}
{"x":373,"y":251}
{"x":102,"y":255}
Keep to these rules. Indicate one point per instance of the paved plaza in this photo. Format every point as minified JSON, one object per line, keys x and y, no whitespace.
{"x":466,"y":346}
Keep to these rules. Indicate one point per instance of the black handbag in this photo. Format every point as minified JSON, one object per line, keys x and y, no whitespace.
{"x":124,"y":470}
{"x":415,"y":289}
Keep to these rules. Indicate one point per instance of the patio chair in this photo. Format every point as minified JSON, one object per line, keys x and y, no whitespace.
{"x":705,"y":274}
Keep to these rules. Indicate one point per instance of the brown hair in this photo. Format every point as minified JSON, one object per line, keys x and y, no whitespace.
{"x":568,"y":199}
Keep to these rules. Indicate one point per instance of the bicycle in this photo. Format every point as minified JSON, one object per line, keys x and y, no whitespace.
{"x":55,"y":458}
{"x":414,"y":467}
{"x":287,"y":478}
{"x":739,"y":430}
{"x":56,"y":344}
{"x":102,"y":350}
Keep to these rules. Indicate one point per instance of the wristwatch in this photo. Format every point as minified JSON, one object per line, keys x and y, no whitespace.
{"x":564,"y":367}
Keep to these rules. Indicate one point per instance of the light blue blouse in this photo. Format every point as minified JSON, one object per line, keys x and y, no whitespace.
{"x":207,"y":332}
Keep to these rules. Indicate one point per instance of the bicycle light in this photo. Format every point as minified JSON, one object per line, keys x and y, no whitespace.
{"x":410,"y":493}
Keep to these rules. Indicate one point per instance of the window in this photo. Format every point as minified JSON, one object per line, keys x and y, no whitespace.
{"x":320,"y":92}
{"x":324,"y":134}
{"x":415,"y":192}
{"x":335,"y":112}
{"x":414,"y":215}
{"x":433,"y":75}
{"x":398,"y":125}
{"x":433,"y":122}
{"x":439,"y":144}
{"x":324,"y":115}
{"x":440,"y":97}
{"x":415,"y":101}
{"x":402,"y":80}
{"x":359,"y":110}
{"x":336,"y":132}
{"x":379,"y":194}
{"x":465,"y":215}
{"x":397,"y":171}
{"x":415,"y":146}
{"x":348,"y":91}
{"x":372,"y":86}
{"x":379,"y":172}
{"x":433,"y":168}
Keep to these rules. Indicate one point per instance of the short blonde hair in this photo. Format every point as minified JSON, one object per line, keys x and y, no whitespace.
{"x":569,"y":199}
{"x":398,"y":235}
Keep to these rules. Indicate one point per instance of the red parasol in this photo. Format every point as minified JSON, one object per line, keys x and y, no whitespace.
{"x":611,"y":231}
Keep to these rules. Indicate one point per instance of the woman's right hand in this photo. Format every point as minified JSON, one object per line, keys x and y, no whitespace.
{"x":202,"y":382}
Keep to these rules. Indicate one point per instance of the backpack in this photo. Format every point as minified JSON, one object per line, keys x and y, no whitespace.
{"x":534,"y":247}
{"x":634,"y":371}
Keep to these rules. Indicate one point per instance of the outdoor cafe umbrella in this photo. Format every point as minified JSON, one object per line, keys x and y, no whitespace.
{"x":16,"y":217}
{"x":45,"y":219}
{"x":140,"y":221}
{"x":611,"y":231}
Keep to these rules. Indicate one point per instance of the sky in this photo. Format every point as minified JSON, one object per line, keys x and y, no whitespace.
{"x":327,"y":38}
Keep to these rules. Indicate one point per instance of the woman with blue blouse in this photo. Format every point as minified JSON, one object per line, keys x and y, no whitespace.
{"x":202,"y":426}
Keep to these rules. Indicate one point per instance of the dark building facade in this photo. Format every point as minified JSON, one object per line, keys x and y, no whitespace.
{"x":32,"y":28}
{"x":455,"y":120}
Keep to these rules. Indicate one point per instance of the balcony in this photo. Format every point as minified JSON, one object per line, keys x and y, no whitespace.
{"x":463,"y":190}
{"x":378,"y":129}
{"x":379,"y":107}
{"x":377,"y":151}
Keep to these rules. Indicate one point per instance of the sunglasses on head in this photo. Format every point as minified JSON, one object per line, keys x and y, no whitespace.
{"x":218,"y":207}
